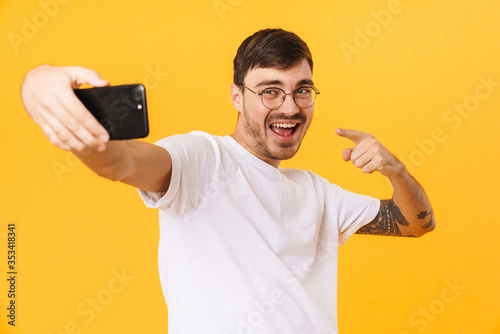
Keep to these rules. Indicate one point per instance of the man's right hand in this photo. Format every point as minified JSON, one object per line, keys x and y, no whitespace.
{"x":47,"y":94}
{"x":48,"y":97}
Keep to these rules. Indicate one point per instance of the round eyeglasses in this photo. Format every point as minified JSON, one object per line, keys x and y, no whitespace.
{"x":274,"y":97}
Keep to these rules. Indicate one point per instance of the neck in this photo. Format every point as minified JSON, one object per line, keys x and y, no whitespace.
{"x":236,"y":136}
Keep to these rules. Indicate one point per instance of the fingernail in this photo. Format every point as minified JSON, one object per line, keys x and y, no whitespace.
{"x":103,"y":137}
{"x":101,"y":147}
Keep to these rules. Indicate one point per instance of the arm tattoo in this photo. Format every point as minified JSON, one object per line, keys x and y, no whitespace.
{"x":423,"y":214}
{"x":428,"y":224}
{"x":387,"y":220}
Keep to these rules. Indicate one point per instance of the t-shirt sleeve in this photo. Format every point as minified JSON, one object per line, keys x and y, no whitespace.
{"x":351,"y":210}
{"x":195,"y":158}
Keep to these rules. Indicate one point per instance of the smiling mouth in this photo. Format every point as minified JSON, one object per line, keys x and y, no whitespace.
{"x":284,"y":131}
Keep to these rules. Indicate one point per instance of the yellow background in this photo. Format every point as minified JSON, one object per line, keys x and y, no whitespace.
{"x":75,"y":229}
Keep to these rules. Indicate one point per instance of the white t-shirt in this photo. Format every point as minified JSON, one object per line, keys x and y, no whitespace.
{"x":246,"y":247}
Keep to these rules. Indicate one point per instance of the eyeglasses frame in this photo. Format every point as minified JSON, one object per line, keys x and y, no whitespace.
{"x":284,"y":95}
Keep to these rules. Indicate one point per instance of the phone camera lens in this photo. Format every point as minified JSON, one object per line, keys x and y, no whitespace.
{"x":137,"y":94}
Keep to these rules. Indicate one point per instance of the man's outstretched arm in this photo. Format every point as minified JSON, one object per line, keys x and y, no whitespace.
{"x":47,"y":94}
{"x":409,"y":212}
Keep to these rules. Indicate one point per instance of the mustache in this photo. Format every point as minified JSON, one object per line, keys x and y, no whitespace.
{"x":281,"y":117}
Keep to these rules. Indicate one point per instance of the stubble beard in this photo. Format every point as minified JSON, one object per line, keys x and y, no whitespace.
{"x":262,"y":142}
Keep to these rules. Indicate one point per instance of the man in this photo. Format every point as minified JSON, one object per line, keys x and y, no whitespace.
{"x":245,"y":246}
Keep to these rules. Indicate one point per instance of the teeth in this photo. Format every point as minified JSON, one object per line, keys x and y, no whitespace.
{"x":284,"y":125}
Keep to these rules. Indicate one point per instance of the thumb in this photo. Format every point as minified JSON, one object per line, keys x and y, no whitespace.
{"x":346,"y":153}
{"x":80,"y":76}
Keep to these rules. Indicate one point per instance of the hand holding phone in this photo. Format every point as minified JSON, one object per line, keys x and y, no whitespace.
{"x":121,"y":110}
{"x":49,"y":99}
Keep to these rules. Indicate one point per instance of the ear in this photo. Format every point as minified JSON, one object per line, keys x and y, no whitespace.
{"x":237,"y":97}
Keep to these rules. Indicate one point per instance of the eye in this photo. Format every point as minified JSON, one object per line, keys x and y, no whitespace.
{"x":271,"y":92}
{"x":303,"y":91}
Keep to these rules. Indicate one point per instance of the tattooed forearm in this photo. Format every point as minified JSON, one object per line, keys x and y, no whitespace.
{"x":387,"y":220}
{"x":423,"y":214}
{"x":398,"y":216}
{"x":428,"y":224}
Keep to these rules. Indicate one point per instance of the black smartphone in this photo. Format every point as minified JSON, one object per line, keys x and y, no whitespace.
{"x":122,"y":110}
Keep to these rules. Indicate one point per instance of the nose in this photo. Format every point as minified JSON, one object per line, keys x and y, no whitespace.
{"x":289,"y":106}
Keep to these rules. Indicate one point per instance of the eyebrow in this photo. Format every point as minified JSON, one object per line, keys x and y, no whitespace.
{"x":307,"y":82}
{"x":269,"y":83}
{"x":302,"y":82}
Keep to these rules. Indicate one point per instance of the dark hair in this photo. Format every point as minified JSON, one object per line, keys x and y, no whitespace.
{"x":269,"y":48}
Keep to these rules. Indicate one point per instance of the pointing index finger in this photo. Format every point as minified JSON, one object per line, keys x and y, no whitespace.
{"x":354,"y":135}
